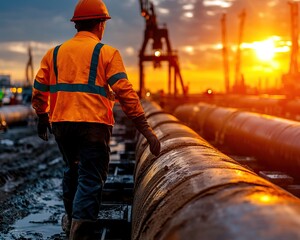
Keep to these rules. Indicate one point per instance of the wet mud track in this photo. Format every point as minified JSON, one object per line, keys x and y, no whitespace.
{"x":30,"y":186}
{"x":31,"y":173}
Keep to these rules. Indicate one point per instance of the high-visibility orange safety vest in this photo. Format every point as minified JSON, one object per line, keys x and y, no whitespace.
{"x":74,"y":82}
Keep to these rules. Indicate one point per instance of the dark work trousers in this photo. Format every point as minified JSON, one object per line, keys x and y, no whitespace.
{"x":85,"y":150}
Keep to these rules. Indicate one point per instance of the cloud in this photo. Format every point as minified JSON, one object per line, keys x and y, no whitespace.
{"x":130,"y":3}
{"x":187,"y":1}
{"x":188,"y":7}
{"x":130,"y":51}
{"x":58,"y":19}
{"x":187,"y":15}
{"x":163,"y":11}
{"x":219,"y":3}
{"x":273,"y":3}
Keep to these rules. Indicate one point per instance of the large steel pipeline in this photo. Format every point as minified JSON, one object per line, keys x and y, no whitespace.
{"x":273,"y":141}
{"x":15,"y":114}
{"x":263,"y":104}
{"x":278,"y":105}
{"x":193,"y":191}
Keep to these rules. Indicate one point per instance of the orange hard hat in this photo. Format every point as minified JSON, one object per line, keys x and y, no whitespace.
{"x":90,"y":9}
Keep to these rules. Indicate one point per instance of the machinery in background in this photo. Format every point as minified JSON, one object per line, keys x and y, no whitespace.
{"x":225,"y":53}
{"x":27,"y":89}
{"x":239,"y":82}
{"x":29,"y":69}
{"x":11,"y":94}
{"x":239,"y":85}
{"x":290,"y":80}
{"x":158,"y":55}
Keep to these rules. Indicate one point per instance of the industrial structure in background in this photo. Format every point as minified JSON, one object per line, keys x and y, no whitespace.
{"x":29,"y":69}
{"x":290,"y":81}
{"x":239,"y":86}
{"x":158,"y":54}
{"x":225,"y":53}
{"x":13,"y":94}
{"x":27,"y":88}
{"x":4,"y":80}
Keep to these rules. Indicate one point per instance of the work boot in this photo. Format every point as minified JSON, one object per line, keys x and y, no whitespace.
{"x":82,"y":230}
{"x":66,"y":224}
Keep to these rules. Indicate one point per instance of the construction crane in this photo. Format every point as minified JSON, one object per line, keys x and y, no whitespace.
{"x":239,"y":85}
{"x":291,"y":80}
{"x":27,"y":88}
{"x":225,"y":53}
{"x":159,"y":36}
{"x":29,"y":69}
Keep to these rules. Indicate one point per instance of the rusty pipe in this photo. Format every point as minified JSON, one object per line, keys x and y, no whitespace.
{"x":16,"y":114}
{"x":193,"y":191}
{"x":272,"y":140}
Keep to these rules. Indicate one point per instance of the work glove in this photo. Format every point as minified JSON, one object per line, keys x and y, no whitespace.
{"x":43,"y":125}
{"x":143,"y":127}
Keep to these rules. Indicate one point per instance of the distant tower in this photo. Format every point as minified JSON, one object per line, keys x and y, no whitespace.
{"x":29,"y":69}
{"x":294,"y":35}
{"x":225,"y":53}
{"x":239,"y":84}
{"x":291,"y":80}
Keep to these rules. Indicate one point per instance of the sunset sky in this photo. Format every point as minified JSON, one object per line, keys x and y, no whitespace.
{"x":194,"y":29}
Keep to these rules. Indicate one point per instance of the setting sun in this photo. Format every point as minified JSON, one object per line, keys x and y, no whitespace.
{"x":265,"y":50}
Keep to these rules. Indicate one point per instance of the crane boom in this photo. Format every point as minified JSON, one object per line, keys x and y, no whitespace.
{"x":157,"y":34}
{"x":238,"y":80}
{"x":29,"y":68}
{"x":225,"y":53}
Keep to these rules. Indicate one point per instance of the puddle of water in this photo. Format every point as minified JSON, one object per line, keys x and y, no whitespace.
{"x":7,"y":142}
{"x":44,"y":221}
{"x":40,"y":223}
{"x":10,"y":185}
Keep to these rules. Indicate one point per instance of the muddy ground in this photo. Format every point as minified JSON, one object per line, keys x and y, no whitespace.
{"x":30,"y":186}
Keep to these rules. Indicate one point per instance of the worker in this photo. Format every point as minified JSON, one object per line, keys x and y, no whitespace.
{"x":73,"y":95}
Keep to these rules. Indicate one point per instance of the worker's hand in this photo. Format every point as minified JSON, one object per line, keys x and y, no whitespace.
{"x":143,"y":127}
{"x":154,"y":144}
{"x":43,"y":125}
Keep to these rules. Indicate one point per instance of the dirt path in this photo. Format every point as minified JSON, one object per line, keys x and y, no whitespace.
{"x":30,"y":185}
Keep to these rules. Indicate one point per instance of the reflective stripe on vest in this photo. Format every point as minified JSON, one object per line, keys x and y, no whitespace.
{"x":90,"y":87}
{"x":55,"y":51}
